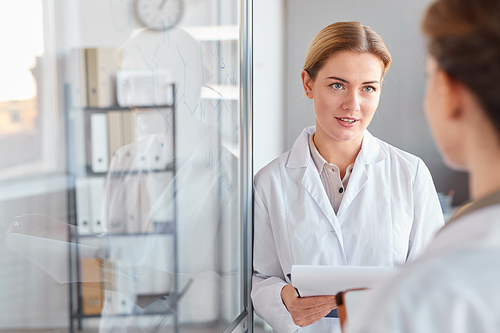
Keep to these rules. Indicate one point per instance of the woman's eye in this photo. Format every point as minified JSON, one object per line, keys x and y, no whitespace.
{"x":337,"y":86}
{"x":369,"y":89}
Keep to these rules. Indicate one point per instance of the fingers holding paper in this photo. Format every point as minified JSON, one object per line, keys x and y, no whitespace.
{"x":306,"y":310}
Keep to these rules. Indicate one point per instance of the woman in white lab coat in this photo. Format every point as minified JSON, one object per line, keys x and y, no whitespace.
{"x":454,"y":285}
{"x":340,"y":196}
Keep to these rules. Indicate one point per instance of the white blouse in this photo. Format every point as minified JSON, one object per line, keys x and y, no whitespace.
{"x":330,"y":176}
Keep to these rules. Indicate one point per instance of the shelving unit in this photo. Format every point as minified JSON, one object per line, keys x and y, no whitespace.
{"x":160,"y":228}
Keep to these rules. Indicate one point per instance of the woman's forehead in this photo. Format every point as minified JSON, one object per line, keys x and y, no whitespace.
{"x":352,"y":65}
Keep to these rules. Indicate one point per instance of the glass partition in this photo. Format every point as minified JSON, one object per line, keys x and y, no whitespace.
{"x":125,"y":165}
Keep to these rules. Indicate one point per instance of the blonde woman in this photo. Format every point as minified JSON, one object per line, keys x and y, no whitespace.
{"x":340,"y":196}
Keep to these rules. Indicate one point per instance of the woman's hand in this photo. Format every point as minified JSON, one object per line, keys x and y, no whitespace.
{"x":306,"y":310}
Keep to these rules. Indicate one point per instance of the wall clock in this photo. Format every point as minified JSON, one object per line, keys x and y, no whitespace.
{"x":159,"y":14}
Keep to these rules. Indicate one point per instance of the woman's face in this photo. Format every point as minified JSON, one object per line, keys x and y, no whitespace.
{"x":345,"y":94}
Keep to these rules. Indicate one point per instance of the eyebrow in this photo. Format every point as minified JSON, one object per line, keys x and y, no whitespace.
{"x":342,"y":80}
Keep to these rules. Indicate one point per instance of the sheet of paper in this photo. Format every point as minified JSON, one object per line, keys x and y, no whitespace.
{"x":316,"y":280}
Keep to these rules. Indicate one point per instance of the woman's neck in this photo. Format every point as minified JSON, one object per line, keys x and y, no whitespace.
{"x":339,"y":153}
{"x":482,"y":151}
{"x":484,"y":178}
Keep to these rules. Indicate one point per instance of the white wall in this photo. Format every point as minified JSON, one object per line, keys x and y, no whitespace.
{"x":399,"y":119}
{"x":268,"y":80}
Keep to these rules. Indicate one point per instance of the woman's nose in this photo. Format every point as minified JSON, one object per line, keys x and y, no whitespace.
{"x":351,"y":102}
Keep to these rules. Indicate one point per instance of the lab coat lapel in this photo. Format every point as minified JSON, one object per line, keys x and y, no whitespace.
{"x":300,"y":157}
{"x":358,"y":179}
{"x":370,"y":153}
{"x":313,"y":185}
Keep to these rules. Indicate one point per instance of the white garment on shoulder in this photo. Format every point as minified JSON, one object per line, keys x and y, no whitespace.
{"x":452,"y":288}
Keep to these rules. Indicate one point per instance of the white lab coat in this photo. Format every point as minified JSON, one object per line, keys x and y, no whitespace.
{"x":452,"y":288}
{"x":390,"y":210}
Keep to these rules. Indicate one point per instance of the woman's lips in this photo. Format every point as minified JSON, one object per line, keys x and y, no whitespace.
{"x":347,"y":121}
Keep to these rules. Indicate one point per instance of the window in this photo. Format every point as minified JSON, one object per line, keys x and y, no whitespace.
{"x":28,"y":112}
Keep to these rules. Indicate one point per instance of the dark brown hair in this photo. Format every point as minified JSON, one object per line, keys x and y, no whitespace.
{"x":464,"y":38}
{"x":344,"y":36}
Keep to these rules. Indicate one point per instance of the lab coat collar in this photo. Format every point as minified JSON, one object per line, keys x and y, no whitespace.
{"x":300,"y":155}
{"x":492,"y":199}
{"x":371,"y":151}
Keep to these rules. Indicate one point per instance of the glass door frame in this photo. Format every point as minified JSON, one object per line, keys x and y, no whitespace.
{"x":244,"y":322}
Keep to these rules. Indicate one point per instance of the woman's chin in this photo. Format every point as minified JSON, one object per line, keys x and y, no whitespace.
{"x":453,"y":164}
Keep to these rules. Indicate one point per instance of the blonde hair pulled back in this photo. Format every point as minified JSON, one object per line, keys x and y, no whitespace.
{"x":344,"y":36}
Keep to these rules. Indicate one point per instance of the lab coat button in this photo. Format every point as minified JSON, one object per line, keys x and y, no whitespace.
{"x":341,"y":190}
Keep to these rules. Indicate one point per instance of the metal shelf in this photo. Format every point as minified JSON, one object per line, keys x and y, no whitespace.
{"x":164,"y":228}
{"x":160,"y":227}
{"x":120,"y":173}
{"x":127,"y":108}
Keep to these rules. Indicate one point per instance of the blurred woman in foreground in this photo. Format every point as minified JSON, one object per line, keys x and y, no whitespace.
{"x":454,"y":285}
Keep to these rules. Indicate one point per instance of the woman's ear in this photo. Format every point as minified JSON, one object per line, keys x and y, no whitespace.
{"x":452,"y":92}
{"x":307,"y":83}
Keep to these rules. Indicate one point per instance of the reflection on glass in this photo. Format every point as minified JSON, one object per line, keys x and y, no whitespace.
{"x":151,"y":240}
